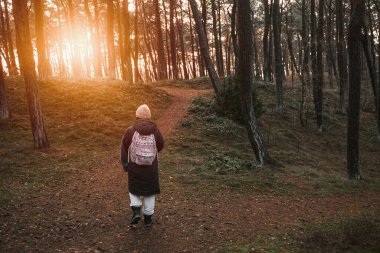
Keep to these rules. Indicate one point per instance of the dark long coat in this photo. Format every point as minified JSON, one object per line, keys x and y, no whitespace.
{"x":142,"y":180}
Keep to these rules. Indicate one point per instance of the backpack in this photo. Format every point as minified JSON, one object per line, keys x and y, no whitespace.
{"x":143,"y":149}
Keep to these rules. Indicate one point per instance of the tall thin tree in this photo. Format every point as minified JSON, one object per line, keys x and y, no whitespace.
{"x":246,"y":80}
{"x":26,"y":59}
{"x":172,"y":35}
{"x":110,"y":40}
{"x":4,"y":109}
{"x":162,"y":71}
{"x":354,"y":58}
{"x":44,"y":69}
{"x":204,"y":47}
{"x":279,"y":69}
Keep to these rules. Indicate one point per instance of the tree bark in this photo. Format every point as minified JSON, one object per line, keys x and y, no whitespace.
{"x":25,"y":52}
{"x":173,"y":48}
{"x":110,"y":40}
{"x":182,"y":43}
{"x":318,"y":85}
{"x":218,"y":56}
{"x":267,"y":60}
{"x":4,"y":109}
{"x":246,"y":80}
{"x":279,"y":69}
{"x":4,"y":39}
{"x":372,"y":72}
{"x":44,"y":69}
{"x":136,"y":53}
{"x":341,"y":55}
{"x":355,"y":68}
{"x":13,"y":70}
{"x":193,"y":68}
{"x":148,"y":45}
{"x":162,"y":72}
{"x":96,"y":42}
{"x":204,"y":47}
{"x":127,"y":42}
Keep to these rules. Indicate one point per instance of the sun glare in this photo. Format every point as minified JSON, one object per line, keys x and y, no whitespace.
{"x":131,"y":6}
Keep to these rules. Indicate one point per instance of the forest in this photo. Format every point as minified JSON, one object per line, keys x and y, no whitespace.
{"x":270,"y":111}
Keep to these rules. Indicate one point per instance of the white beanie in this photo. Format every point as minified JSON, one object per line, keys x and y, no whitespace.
{"x":143,"y":112}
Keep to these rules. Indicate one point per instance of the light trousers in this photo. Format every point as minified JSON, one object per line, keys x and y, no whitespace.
{"x":147,"y":202}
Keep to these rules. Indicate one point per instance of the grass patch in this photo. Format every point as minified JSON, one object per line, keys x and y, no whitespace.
{"x":361,"y":234}
{"x":84,"y":120}
{"x":211,"y":151}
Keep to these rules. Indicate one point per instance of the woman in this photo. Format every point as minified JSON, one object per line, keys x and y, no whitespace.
{"x":139,"y":148}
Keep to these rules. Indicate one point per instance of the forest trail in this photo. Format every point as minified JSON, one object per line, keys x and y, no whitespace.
{"x":91,"y":213}
{"x":177,"y":110}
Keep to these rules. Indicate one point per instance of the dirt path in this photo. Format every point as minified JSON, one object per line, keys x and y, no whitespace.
{"x":91,"y":213}
{"x":176,"y":111}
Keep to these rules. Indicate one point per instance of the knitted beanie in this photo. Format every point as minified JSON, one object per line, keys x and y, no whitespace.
{"x":143,"y":112}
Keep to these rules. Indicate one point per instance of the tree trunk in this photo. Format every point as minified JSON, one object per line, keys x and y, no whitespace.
{"x":76,"y":60}
{"x":266,"y":49}
{"x":136,"y":53}
{"x":110,"y":40}
{"x":162,"y":72}
{"x":173,"y":47}
{"x":234,"y":35}
{"x":279,"y":69}
{"x":182,"y":43}
{"x":96,"y":42}
{"x":204,"y":47}
{"x":318,"y":85}
{"x":378,"y":78}
{"x":372,"y":73}
{"x":120,"y":31}
{"x":330,"y":46}
{"x":218,"y":57}
{"x":149,"y":45}
{"x":4,"y":39}
{"x":127,"y":42}
{"x":305,"y":73}
{"x":355,"y":68}
{"x":13,"y":70}
{"x":25,"y":52}
{"x":194,"y":70}
{"x":43,"y":63}
{"x":4,"y":110}
{"x":244,"y":30}
{"x":341,"y":55}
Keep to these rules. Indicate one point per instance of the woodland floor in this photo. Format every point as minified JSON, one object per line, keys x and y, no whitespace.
{"x":90,"y":213}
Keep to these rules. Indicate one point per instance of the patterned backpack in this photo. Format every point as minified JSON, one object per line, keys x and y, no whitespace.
{"x":143,"y":149}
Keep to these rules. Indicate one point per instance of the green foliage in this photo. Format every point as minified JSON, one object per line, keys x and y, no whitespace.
{"x":361,"y":234}
{"x":228,"y":103}
{"x":224,"y":163}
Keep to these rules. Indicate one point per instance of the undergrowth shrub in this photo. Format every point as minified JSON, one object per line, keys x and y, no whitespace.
{"x":228,"y":102}
{"x":223,"y":163}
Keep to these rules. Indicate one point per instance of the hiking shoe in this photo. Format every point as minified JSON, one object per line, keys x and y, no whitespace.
{"x":148,"y":220}
{"x":136,"y":217}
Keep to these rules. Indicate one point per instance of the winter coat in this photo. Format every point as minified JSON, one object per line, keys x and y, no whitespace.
{"x":143,"y":180}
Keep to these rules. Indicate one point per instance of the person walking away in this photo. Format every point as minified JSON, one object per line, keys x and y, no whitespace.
{"x":140,"y":145}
